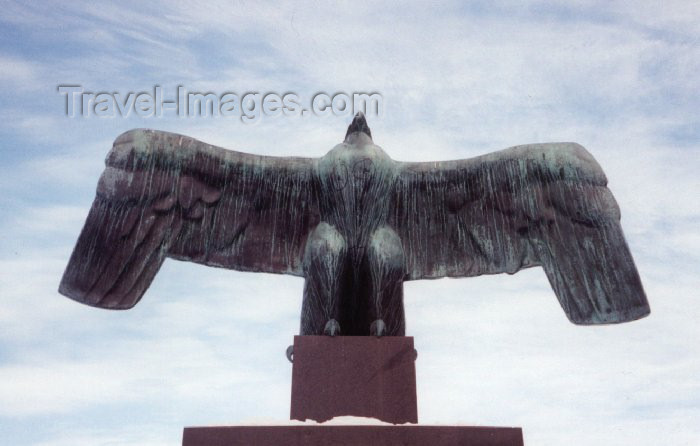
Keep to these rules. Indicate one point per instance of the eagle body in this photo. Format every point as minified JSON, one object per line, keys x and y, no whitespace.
{"x":354,"y":264}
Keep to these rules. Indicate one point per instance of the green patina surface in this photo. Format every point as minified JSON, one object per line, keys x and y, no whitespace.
{"x":356,"y":224}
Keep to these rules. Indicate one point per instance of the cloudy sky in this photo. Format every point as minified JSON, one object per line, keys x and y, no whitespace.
{"x":206,"y":346}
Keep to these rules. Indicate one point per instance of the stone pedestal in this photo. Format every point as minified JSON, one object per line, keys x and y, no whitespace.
{"x":352,"y":436}
{"x":354,"y":375}
{"x":364,"y":376}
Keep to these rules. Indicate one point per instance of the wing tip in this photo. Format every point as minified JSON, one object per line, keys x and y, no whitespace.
{"x":614,"y":317}
{"x":66,"y":289}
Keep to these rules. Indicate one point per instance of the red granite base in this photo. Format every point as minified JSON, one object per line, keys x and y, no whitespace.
{"x":352,"y":436}
{"x":363,"y":376}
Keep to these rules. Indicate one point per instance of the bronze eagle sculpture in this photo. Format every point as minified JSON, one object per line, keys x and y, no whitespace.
{"x":355,"y":224}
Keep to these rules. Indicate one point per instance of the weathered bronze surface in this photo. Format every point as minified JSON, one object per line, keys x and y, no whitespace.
{"x":355,"y":224}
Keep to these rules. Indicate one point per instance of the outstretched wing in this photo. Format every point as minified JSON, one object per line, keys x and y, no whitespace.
{"x":166,"y":195}
{"x":542,"y":204}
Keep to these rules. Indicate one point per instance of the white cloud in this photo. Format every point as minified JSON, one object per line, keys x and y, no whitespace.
{"x":16,"y":72}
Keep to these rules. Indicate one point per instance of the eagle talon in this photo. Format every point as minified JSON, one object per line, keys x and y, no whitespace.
{"x":378,"y":328}
{"x":332,"y":328}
